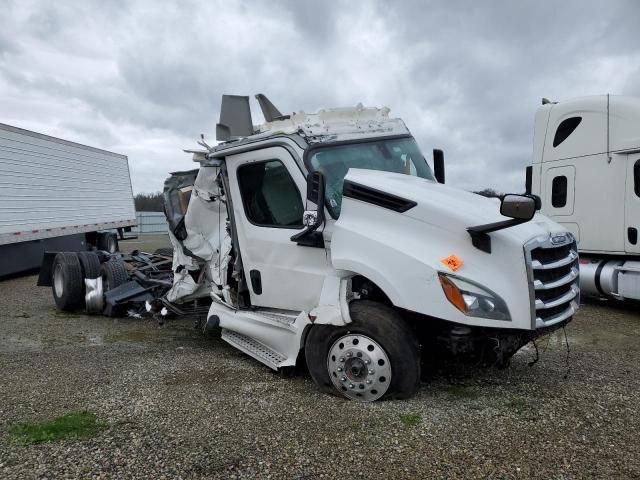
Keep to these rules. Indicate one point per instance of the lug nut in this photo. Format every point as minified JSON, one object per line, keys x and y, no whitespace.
{"x":351,"y":385}
{"x":369,"y":382}
{"x":367,"y":362}
{"x":342,"y":359}
{"x":344,"y":379}
{"x":371,"y":372}
{"x":349,"y":354}
{"x":339,"y":369}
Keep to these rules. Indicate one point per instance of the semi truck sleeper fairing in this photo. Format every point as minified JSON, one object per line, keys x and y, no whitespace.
{"x":586,"y":170}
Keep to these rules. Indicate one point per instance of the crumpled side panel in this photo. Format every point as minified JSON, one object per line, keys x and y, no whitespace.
{"x":206,"y":242}
{"x":176,"y":198}
{"x":183,"y":285}
{"x":206,"y":217}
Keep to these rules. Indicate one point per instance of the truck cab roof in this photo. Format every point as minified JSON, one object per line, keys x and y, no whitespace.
{"x":305,"y":129}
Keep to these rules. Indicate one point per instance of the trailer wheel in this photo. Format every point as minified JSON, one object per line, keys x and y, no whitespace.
{"x":114,"y":273}
{"x":66,"y":281}
{"x":108,"y":242}
{"x":90,"y":263}
{"x":374,"y":356}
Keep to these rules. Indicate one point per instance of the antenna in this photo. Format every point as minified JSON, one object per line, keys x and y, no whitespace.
{"x":203,"y":143}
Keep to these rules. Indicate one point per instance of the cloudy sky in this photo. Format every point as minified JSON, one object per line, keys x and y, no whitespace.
{"x":144,"y":78}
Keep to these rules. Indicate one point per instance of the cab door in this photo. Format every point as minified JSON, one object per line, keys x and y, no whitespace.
{"x":559,"y":191}
{"x":268,"y":188}
{"x":632,"y":205}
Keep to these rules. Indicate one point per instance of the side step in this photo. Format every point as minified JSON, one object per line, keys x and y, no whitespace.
{"x":254,"y":348}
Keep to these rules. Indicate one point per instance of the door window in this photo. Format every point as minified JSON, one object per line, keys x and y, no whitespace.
{"x":559,"y":191}
{"x":636,"y":177}
{"x":269,"y":195}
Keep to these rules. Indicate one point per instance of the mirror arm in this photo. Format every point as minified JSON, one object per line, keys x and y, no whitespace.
{"x":309,"y":237}
{"x":492,"y":227}
{"x":480,"y":233}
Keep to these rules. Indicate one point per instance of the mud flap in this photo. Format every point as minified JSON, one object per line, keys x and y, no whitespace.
{"x":44,"y":278}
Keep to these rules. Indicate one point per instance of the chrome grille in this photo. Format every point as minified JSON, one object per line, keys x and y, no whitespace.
{"x":552,"y":264}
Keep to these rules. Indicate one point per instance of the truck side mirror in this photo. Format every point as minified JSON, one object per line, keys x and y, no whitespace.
{"x":519,"y":207}
{"x":438,"y":165}
{"x":314,"y":210}
{"x":313,"y":215}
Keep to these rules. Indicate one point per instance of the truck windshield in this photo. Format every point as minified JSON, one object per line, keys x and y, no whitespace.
{"x":398,"y":155}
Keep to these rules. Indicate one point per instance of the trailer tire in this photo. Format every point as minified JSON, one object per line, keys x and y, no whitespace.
{"x":90,"y":263}
{"x":114,"y":273}
{"x":379,"y":335}
{"x":107,"y":242}
{"x":66,"y":281}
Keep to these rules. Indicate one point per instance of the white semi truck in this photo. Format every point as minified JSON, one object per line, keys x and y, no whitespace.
{"x":327,"y":239}
{"x":586,"y":170}
{"x":58,"y":195}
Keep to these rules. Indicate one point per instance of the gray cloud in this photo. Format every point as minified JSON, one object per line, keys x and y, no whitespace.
{"x":145,"y":79}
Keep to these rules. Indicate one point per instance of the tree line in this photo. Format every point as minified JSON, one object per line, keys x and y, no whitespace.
{"x":148,"y":202}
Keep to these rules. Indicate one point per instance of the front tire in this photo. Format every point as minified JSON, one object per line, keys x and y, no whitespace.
{"x":375,"y":356}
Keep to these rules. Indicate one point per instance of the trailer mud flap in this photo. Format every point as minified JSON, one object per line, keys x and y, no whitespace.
{"x":44,"y":278}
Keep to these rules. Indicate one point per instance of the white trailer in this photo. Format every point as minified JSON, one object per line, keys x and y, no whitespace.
{"x":586,"y":170}
{"x":58,"y":195}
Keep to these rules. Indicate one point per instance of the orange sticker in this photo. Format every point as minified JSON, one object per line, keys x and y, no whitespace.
{"x":452,"y":262}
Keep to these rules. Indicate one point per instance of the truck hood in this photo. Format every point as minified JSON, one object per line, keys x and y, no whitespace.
{"x":403,"y":252}
{"x":445,"y":207}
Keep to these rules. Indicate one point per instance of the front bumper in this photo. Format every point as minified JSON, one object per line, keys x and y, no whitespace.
{"x":489,"y":346}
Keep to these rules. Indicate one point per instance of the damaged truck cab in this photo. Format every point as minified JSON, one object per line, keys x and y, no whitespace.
{"x":327,"y":239}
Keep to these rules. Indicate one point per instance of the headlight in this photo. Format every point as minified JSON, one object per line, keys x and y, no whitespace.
{"x":472,"y":299}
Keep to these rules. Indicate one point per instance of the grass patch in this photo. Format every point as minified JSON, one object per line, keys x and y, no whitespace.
{"x":458,"y":391}
{"x":410,"y":419}
{"x":72,"y":425}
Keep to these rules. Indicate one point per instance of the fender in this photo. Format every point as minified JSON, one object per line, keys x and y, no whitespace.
{"x":333,"y":307}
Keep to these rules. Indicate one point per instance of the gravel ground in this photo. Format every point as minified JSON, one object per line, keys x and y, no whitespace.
{"x":181,"y":405}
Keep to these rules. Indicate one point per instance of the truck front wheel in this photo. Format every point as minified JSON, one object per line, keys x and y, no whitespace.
{"x":374,"y":356}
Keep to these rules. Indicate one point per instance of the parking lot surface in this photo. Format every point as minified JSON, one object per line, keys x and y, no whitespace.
{"x":178,"y":404}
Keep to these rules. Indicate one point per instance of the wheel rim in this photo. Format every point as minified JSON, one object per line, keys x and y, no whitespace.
{"x":359,"y":367}
{"x":58,"y":280}
{"x":112,"y":245}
